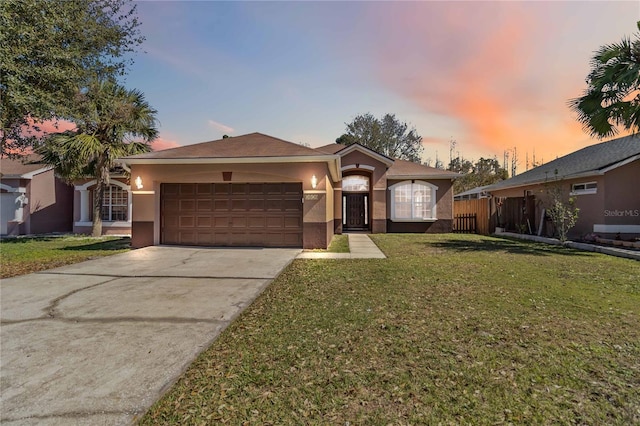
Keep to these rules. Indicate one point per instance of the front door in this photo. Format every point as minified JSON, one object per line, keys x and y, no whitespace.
{"x":356,"y":211}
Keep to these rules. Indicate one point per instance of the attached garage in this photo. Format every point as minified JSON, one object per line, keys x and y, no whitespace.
{"x":232,"y":214}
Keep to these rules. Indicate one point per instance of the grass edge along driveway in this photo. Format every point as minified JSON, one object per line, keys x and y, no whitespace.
{"x":24,"y":255}
{"x":450,"y":329}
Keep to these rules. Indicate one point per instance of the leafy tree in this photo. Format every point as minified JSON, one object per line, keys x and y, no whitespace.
{"x":485,"y":171}
{"x":612,"y":97}
{"x":113,"y":122}
{"x":50,"y":48}
{"x":387,"y":136}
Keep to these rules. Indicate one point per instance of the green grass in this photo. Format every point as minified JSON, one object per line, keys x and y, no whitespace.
{"x":450,"y":329}
{"x":20,"y":256}
{"x":339,"y":244}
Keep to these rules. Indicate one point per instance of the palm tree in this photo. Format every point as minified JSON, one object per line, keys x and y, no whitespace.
{"x":612,"y":97}
{"x":111,"y":122}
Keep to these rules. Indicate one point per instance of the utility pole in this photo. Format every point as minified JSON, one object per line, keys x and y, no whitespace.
{"x":452,"y":145}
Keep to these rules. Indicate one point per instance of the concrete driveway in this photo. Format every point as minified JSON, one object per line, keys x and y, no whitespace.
{"x":98,"y":342}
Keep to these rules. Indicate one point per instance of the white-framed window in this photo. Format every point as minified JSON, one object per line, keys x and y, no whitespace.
{"x":413,"y":201}
{"x":584,"y":188}
{"x":115,"y":205}
{"x":355,"y":183}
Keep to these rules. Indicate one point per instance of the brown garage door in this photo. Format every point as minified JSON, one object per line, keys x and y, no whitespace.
{"x":232,"y":214}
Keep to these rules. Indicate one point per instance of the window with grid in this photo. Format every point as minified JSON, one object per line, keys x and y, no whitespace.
{"x":413,"y":201}
{"x":115,"y":204}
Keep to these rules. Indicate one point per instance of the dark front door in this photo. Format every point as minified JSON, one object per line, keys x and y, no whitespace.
{"x":356,"y":209}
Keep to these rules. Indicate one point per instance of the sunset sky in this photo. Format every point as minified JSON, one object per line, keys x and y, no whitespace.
{"x":492,"y":76}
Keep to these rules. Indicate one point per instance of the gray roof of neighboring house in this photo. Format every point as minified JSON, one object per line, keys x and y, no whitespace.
{"x":22,"y":167}
{"x":589,"y":161}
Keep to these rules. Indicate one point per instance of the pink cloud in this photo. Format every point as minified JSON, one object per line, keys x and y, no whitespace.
{"x":220,"y":127}
{"x":161,"y":143}
{"x":499,"y":69}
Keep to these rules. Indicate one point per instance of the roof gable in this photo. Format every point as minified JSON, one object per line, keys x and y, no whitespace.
{"x":251,"y":145}
{"x":589,"y":161}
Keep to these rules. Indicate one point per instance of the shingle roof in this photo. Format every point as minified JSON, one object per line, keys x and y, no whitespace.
{"x":16,"y":168}
{"x":400,"y":168}
{"x":245,"y":146}
{"x":408,"y":169}
{"x":591,"y":160}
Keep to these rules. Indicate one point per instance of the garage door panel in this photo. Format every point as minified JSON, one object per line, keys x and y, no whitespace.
{"x":238,"y":205}
{"x":204,"y":189}
{"x":204,"y":205}
{"x":204,"y":222}
{"x":187,"y":189}
{"x":187,"y":205}
{"x":186,"y":221}
{"x":225,"y":214}
{"x":256,"y":222}
{"x":221,"y":222}
{"x":292,"y":223}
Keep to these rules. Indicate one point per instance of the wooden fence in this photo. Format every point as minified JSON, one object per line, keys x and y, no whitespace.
{"x":478,"y":207}
{"x":465,"y":223}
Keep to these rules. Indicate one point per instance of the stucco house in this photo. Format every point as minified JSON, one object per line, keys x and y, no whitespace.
{"x":32,"y":199}
{"x":116,"y":205}
{"x":604,"y":179}
{"x":258,"y":190}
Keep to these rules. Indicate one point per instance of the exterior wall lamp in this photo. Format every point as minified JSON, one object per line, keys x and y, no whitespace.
{"x":138,"y":182}
{"x":314,"y":181}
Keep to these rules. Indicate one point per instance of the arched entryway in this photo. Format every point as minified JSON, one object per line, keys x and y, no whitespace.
{"x":356,"y":198}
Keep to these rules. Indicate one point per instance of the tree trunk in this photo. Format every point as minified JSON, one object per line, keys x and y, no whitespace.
{"x":102,"y":180}
{"x":98,"y":197}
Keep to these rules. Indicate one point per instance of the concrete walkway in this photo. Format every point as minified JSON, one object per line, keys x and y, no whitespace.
{"x":96,"y":343}
{"x":360,"y":246}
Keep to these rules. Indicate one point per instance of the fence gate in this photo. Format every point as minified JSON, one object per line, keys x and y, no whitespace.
{"x":465,"y":223}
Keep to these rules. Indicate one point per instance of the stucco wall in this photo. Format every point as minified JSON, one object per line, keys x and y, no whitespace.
{"x":50,"y":204}
{"x":444,"y":210}
{"x":377,"y":189}
{"x":616,"y":202}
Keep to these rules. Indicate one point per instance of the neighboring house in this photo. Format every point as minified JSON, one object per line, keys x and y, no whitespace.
{"x":604,"y":179}
{"x":116,"y":205}
{"x":32,"y":199}
{"x":472,"y":194}
{"x":257,"y":190}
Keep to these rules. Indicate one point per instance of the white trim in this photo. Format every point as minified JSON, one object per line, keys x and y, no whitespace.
{"x":344,"y":210}
{"x":143,"y":192}
{"x":379,"y":189}
{"x":423,"y":177}
{"x":621,"y":163}
{"x":366,"y":209}
{"x":434,"y":189}
{"x":84,"y":201}
{"x":315,"y":191}
{"x":584,"y":191}
{"x":106,"y":224}
{"x":231,"y":160}
{"x":362,"y":166}
{"x":614,"y":229}
{"x":330,"y":159}
{"x":12,"y":188}
{"x":30,"y":175}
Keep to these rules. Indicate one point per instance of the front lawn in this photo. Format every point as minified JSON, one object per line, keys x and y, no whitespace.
{"x":450,"y":329}
{"x":24,"y":255}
